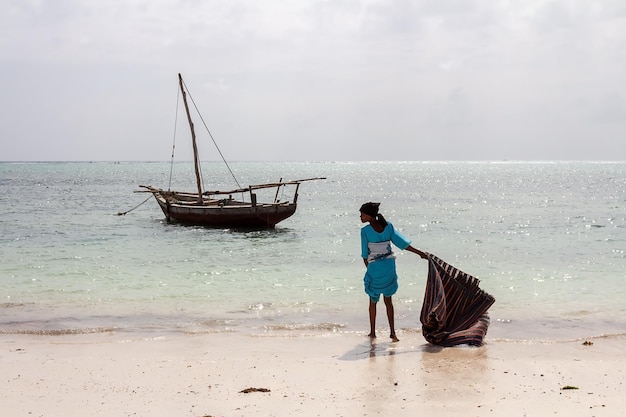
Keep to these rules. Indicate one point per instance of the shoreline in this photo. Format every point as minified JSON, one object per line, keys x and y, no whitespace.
{"x":320,"y":322}
{"x":327,"y":374}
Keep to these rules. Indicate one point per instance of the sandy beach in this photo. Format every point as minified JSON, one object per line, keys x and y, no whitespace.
{"x":306,"y":374}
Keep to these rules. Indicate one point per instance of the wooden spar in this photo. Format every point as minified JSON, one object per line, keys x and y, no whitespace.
{"x":196,"y":162}
{"x":276,"y":184}
{"x":277,"y":190}
{"x":239,"y":190}
{"x":295,"y":194}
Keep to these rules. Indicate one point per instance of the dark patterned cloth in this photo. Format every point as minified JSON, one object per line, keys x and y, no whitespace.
{"x":455,"y":309}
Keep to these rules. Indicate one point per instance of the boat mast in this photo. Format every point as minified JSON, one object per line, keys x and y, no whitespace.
{"x":196,"y":162}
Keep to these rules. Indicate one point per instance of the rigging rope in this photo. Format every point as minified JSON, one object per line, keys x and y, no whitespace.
{"x":137,"y":206}
{"x":169,"y":185}
{"x":211,"y":136}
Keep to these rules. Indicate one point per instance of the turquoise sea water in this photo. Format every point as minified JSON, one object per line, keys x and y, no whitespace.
{"x":546,"y":239}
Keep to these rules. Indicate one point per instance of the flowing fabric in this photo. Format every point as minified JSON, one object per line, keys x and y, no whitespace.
{"x":455,"y":309}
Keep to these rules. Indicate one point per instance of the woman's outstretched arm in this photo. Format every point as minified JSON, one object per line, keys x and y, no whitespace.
{"x":423,"y":255}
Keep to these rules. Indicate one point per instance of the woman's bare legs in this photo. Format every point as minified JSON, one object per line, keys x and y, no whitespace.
{"x":372,"y":320}
{"x":390,"y":317}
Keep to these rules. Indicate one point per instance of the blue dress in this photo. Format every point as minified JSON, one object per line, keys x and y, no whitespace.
{"x":381,"y":277}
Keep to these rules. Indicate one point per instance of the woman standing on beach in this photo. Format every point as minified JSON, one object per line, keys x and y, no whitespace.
{"x":381,"y":277}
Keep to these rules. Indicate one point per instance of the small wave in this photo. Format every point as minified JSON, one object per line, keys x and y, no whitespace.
{"x":13,"y":305}
{"x":412,"y":330}
{"x":332,"y":327}
{"x":58,"y":332}
{"x":217,"y":322}
{"x":607,"y":336}
{"x":207,"y":331}
{"x":260,"y":306}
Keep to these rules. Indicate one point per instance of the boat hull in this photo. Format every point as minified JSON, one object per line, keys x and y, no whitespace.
{"x":236,"y":215}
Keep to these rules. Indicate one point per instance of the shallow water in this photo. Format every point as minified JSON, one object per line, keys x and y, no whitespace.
{"x":546,"y":240}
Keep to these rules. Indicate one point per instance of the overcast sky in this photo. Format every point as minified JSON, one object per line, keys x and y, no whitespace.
{"x":305,"y":80}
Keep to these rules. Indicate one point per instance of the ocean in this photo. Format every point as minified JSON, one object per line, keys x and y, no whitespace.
{"x":546,"y":239}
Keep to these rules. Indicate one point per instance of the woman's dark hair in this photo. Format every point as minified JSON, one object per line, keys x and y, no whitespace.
{"x":371,"y":209}
{"x":381,"y":220}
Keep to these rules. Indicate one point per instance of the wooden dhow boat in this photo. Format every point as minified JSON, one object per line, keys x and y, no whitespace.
{"x":232,"y":209}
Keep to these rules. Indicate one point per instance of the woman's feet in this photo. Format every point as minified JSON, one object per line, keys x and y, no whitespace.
{"x":393,"y":336}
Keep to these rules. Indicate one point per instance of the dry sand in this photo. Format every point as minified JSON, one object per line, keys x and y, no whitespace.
{"x":306,"y":375}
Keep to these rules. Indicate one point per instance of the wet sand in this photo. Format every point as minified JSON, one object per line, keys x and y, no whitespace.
{"x":288,"y":374}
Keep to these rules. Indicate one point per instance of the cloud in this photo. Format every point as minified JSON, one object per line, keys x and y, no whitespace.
{"x":324,"y":80}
